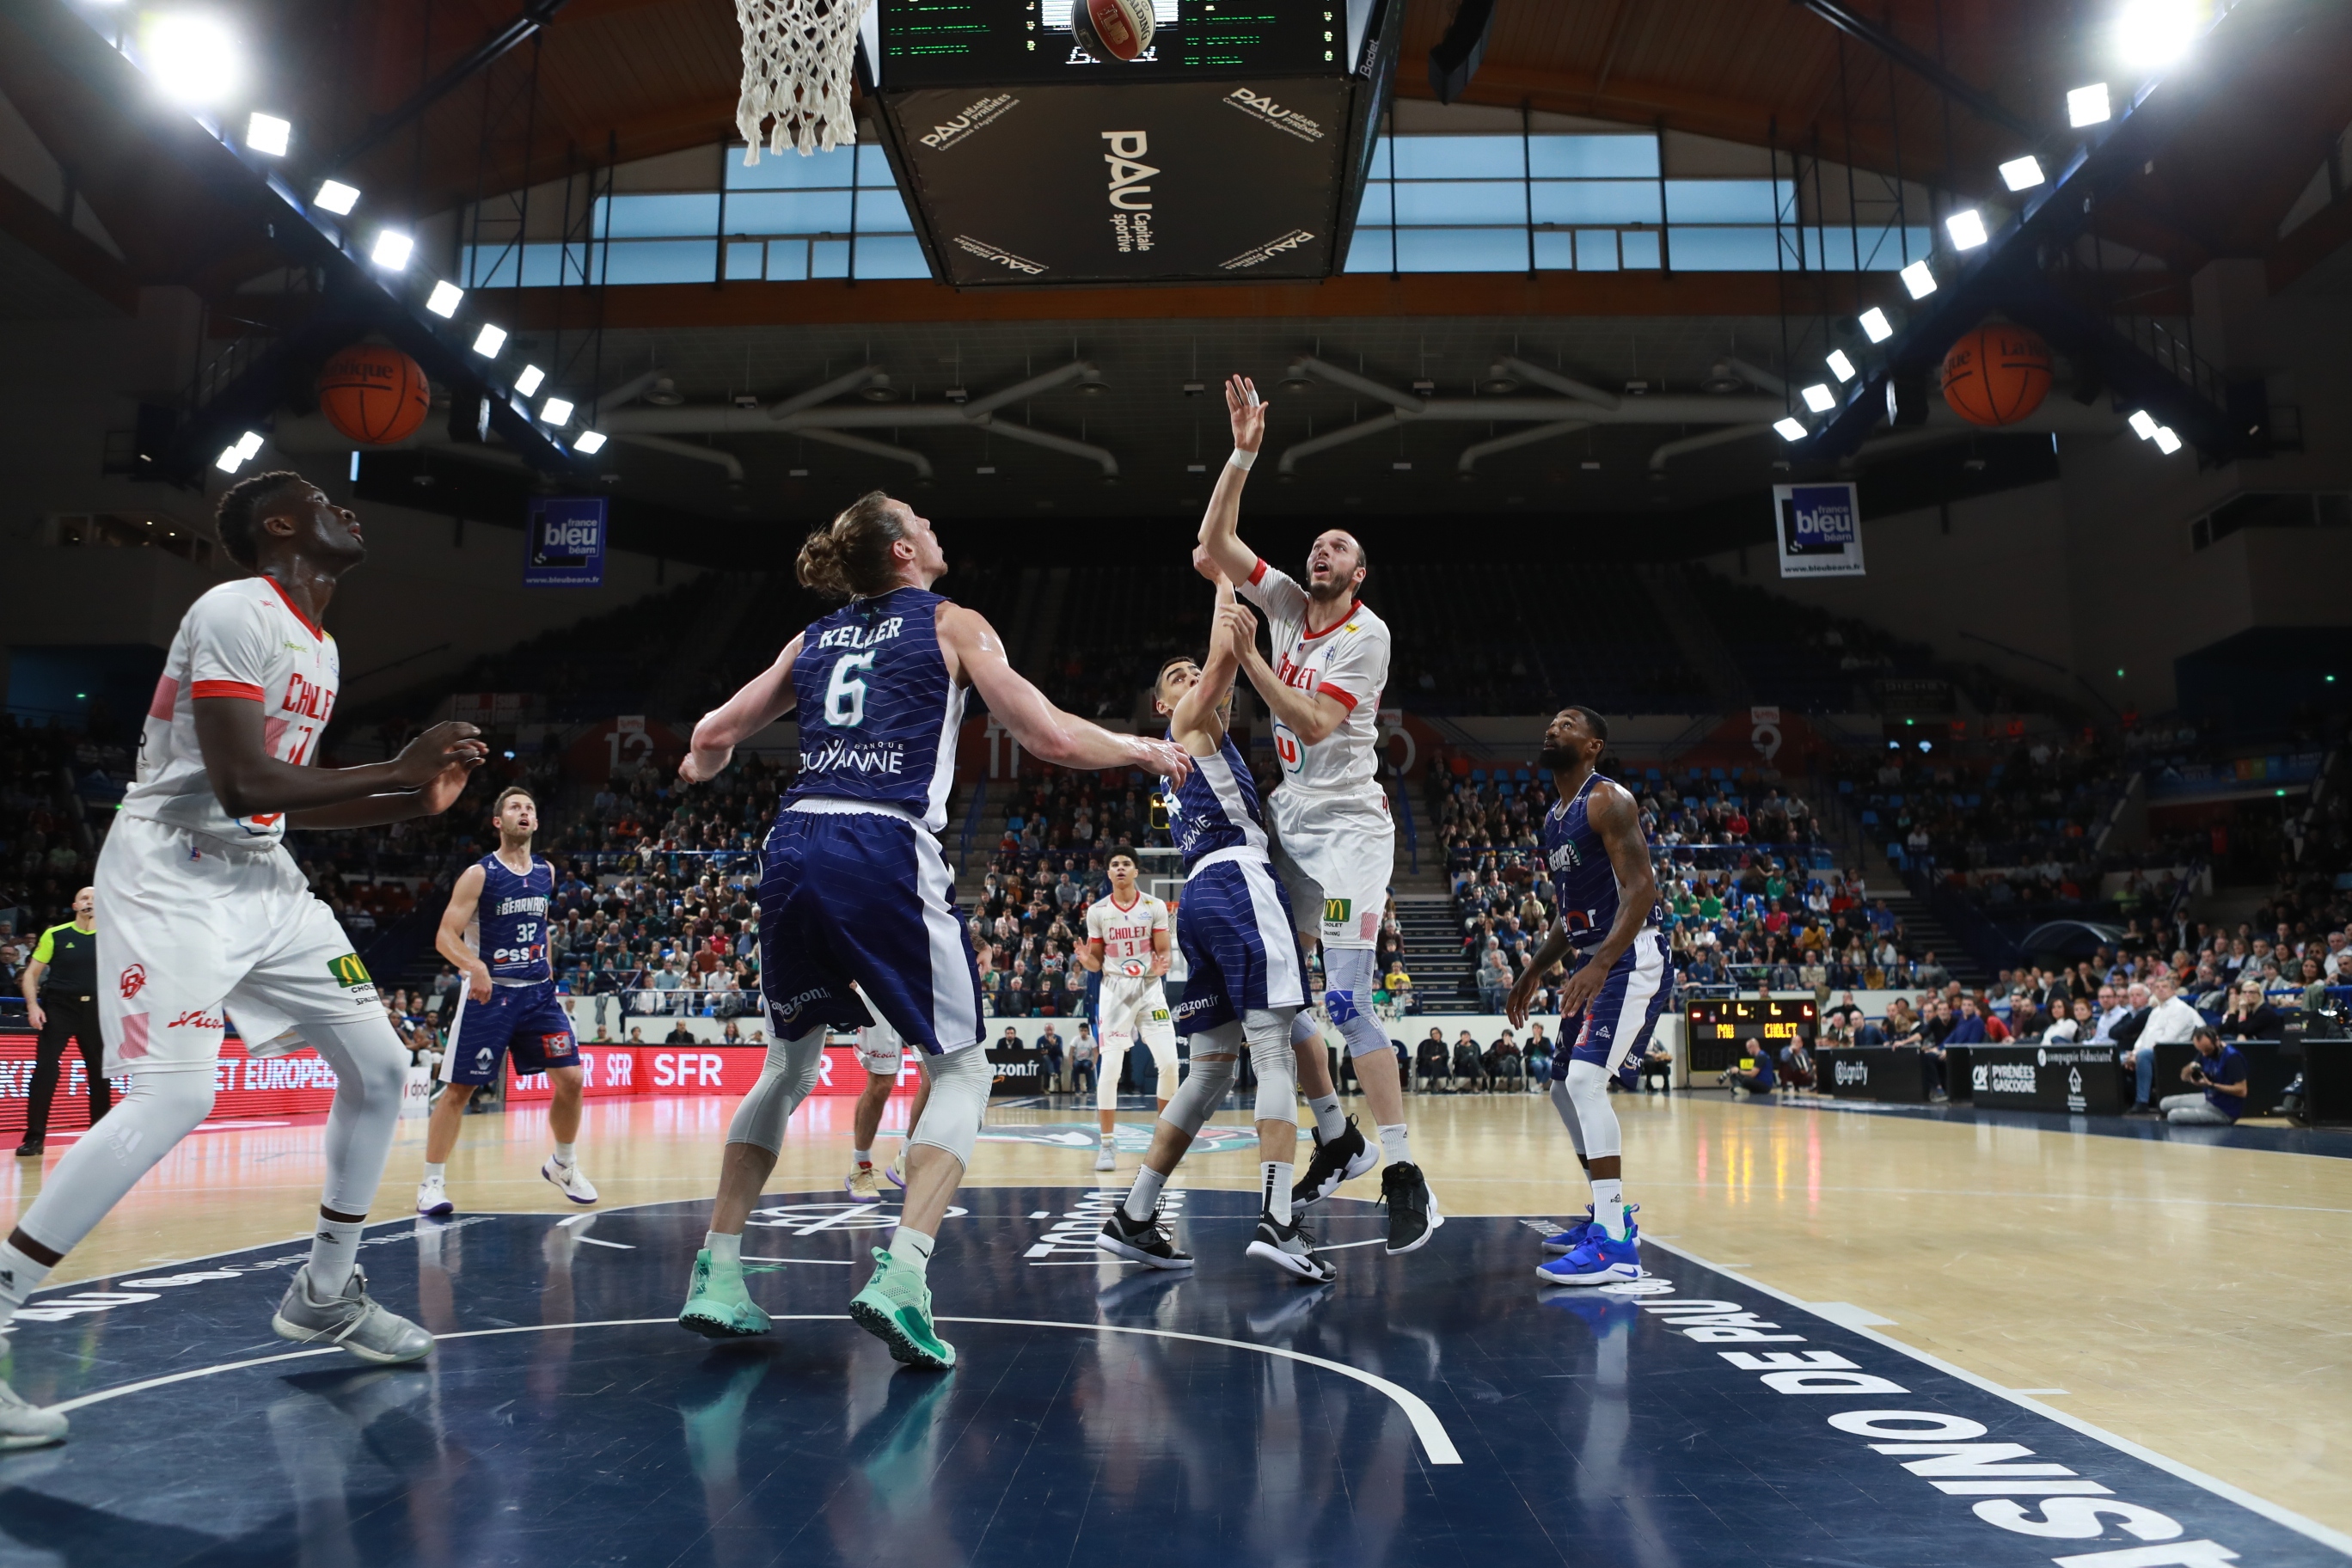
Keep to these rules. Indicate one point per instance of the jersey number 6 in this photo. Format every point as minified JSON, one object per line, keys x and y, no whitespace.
{"x":845,"y":694}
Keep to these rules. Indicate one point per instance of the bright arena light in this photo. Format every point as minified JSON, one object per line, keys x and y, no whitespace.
{"x":590,"y":442}
{"x":1918,"y":279}
{"x":1967,"y":228}
{"x":268,"y":134}
{"x":1790,"y":428}
{"x":248,"y":445}
{"x":2088,"y":106}
{"x":2157,"y":32}
{"x":2165,"y":441}
{"x":2022,"y":174}
{"x":527,"y":382}
{"x":1819,"y":398}
{"x":337,"y":197}
{"x":228,"y":462}
{"x":1840,"y":366}
{"x":556,"y":411}
{"x":2143,"y":424}
{"x":193,"y":58}
{"x":1875,"y":326}
{"x":392,"y":250}
{"x":489,"y":340}
{"x":445,"y":299}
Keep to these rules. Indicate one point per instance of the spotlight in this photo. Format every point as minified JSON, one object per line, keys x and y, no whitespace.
{"x":1295,"y":381}
{"x":1875,"y":326}
{"x":268,"y":134}
{"x":2021,"y":174}
{"x":1918,"y":279}
{"x":193,"y":58}
{"x":2156,"y":32}
{"x":2088,"y":106}
{"x":228,"y":461}
{"x":1092,"y":383}
{"x":1790,"y":428}
{"x":590,"y":442}
{"x":1721,"y":380}
{"x":1819,"y":398}
{"x":445,"y":299}
{"x":555,"y":411}
{"x":879,"y":389}
{"x":337,"y":197}
{"x":489,"y":340}
{"x":2165,"y":441}
{"x":393,"y":250}
{"x":1840,"y":366}
{"x":248,"y":445}
{"x":2143,"y":424}
{"x":1499,"y":380}
{"x":1967,"y":229}
{"x":527,"y":382}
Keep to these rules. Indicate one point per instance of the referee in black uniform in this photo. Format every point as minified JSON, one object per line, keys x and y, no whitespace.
{"x":67,"y":1006}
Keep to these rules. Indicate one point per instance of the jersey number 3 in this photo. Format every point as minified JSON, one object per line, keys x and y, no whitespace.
{"x":845,"y":694}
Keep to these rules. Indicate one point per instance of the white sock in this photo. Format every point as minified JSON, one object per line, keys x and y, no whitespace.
{"x":913,"y":1248}
{"x":1328,"y":1122}
{"x":1395,"y":1147}
{"x":19,"y":1278}
{"x":334,"y":1251}
{"x":863,"y":1156}
{"x":563,"y":1155}
{"x":1144,"y":1197}
{"x":436,"y":1174}
{"x":724,"y":1248}
{"x":1275,"y":1178}
{"x":1608,"y":1207}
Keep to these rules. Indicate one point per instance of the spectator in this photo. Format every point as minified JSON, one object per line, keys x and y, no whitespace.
{"x":2110,"y":1012}
{"x":679,"y":1035}
{"x":2218,"y":1076}
{"x":1796,"y":1065}
{"x":2168,"y":1021}
{"x":2075,"y":1028}
{"x":1082,"y":1059}
{"x":1538,"y":1055}
{"x":1752,"y":1074}
{"x":2250,"y":1017}
{"x":1504,"y":1060}
{"x":1429,"y":1061}
{"x":1049,"y":1046}
{"x":1657,"y":1067}
{"x":1469,"y":1063}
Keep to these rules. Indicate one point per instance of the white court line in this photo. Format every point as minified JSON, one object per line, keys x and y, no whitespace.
{"x":2323,"y":1534}
{"x":843,"y":1262}
{"x":1425,"y":1423}
{"x":619,"y":1245}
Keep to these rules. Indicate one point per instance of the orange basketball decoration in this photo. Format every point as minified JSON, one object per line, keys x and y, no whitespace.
{"x":1997,"y":375}
{"x":374,"y":395}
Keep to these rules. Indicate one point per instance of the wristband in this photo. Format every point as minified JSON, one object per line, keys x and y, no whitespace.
{"x":1241,"y":460}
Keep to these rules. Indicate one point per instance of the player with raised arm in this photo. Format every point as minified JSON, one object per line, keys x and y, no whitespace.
{"x":1248,"y":977}
{"x":508,"y":1002}
{"x":854,"y":889}
{"x":203,"y":918}
{"x":1126,"y":943}
{"x":1600,"y":862}
{"x":1335,"y":843}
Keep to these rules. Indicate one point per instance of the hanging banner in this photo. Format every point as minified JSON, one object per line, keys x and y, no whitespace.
{"x":565,"y":539}
{"x":1820,"y":530}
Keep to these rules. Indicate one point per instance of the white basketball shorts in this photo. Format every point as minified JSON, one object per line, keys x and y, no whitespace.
{"x":1335,"y":854}
{"x":1135,"y":1007}
{"x":880,"y":1051}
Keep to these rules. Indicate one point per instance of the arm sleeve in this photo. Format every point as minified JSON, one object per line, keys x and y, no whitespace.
{"x":47,"y":950}
{"x":228,"y":647}
{"x":1358,"y":671}
{"x":1274,"y":592}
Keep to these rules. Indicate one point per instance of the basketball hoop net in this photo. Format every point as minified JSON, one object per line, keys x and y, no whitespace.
{"x":797,"y":68}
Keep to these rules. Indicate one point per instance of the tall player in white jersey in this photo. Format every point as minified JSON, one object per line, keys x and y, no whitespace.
{"x":1335,"y":841}
{"x":1128,"y":942}
{"x":203,"y":917}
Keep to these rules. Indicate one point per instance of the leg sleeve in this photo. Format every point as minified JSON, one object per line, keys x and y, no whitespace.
{"x":786,"y":1078}
{"x":1587,"y":1087}
{"x":371,"y":1074}
{"x":105,"y":1163}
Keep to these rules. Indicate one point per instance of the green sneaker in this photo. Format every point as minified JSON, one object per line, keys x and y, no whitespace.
{"x":718,"y":1307}
{"x":896,"y":1307}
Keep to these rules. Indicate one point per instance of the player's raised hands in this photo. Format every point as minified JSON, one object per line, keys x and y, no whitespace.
{"x":444,"y":746}
{"x":1165,"y":758}
{"x":1236,"y":628}
{"x":1248,"y":413}
{"x":448,"y":784}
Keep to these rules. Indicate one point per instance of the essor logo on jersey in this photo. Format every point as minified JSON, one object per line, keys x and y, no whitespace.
{"x":134,"y":980}
{"x":197,"y":1018}
{"x":349,"y":971}
{"x":1817,"y":520}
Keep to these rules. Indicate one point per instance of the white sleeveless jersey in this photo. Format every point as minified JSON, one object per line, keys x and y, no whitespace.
{"x":1345,"y":660}
{"x":1126,"y":934}
{"x":244,"y":641}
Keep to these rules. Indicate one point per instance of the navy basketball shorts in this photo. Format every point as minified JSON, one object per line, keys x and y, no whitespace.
{"x":526,"y":1020}
{"x":1615,"y":1029}
{"x":862,"y":894}
{"x":1240,"y":948}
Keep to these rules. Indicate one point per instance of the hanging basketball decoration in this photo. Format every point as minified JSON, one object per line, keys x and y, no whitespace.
{"x":1112,"y":29}
{"x":374,"y":395}
{"x":1997,"y":375}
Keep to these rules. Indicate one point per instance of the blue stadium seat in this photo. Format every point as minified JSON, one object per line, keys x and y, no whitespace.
{"x":1870,"y":819}
{"x":1845,"y":786}
{"x":1523,"y":775}
{"x":1477,"y":775}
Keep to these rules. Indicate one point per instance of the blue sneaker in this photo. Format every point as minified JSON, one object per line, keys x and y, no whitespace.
{"x":1600,"y":1262}
{"x":1582,"y":1231}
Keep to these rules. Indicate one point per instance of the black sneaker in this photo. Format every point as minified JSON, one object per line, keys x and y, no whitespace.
{"x":1139,"y":1241}
{"x":1291,"y":1249}
{"x":1343,"y":1158}
{"x":28,"y":1151}
{"x":1413,"y":1209}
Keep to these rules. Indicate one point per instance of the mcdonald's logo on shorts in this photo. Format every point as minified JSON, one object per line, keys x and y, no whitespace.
{"x":1335,"y":911}
{"x":349,"y":971}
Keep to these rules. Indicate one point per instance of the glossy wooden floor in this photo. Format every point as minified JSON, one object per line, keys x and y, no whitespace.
{"x":2191,"y":1298}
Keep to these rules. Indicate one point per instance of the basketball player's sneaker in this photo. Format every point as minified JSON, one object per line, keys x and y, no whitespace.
{"x":717,"y":1306}
{"x":568,"y":1181}
{"x":432,"y":1197}
{"x":1580,"y":1232}
{"x":24,"y":1425}
{"x":1341,"y":1159}
{"x":1413,"y":1209}
{"x":1599,"y":1261}
{"x":894,"y":1172}
{"x":862,"y":1184}
{"x":1104,"y":1159}
{"x":349,"y":1320}
{"x":896,"y":1307}
{"x":1139,"y":1241}
{"x":1290,"y":1249}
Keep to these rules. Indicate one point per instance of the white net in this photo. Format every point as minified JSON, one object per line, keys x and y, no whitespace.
{"x":798,"y":65}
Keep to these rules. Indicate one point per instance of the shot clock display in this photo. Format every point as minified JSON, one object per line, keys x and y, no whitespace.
{"x":989,"y":42}
{"x":1714,"y":1026}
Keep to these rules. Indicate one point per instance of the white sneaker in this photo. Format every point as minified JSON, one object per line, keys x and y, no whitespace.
{"x":568,"y":1181}
{"x":862,"y":1184}
{"x":24,"y":1425}
{"x":433,"y":1198}
{"x":1104,"y":1159}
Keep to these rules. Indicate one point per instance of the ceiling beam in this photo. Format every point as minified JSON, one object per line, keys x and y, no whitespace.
{"x":67,"y":250}
{"x":535,"y":16}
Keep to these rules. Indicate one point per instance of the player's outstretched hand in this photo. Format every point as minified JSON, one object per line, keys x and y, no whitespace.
{"x":448,"y":784}
{"x":1577,"y":991}
{"x":1165,"y":758}
{"x":1522,"y":997}
{"x":1237,"y":629}
{"x":452,"y":745}
{"x":705,"y":764}
{"x":1248,"y":413}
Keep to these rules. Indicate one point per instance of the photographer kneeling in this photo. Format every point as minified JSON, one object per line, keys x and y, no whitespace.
{"x":2221,"y":1072}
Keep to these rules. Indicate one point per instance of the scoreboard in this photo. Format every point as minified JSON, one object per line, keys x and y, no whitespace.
{"x":992,"y":43}
{"x":1714,"y":1026}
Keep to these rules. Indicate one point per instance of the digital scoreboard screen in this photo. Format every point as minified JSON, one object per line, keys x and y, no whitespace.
{"x":1740,"y":1018}
{"x":966,"y":43}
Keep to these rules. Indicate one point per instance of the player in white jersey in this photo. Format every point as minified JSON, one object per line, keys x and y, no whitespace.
{"x":1128,"y":942}
{"x":882,"y":1052}
{"x":1335,"y":841}
{"x":203,"y":917}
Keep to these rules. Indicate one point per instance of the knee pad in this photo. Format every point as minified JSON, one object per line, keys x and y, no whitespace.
{"x":958,"y":1103}
{"x":1588,"y":1086}
{"x":1277,"y":1067}
{"x":1305,"y":1028}
{"x":786,"y":1078}
{"x":1566,"y":1107}
{"x":1214,"y":1054}
{"x":1347,"y":978}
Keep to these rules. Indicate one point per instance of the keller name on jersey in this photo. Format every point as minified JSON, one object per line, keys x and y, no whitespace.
{"x":861,"y":636}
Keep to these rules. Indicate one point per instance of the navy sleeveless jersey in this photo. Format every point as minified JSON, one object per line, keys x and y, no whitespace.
{"x":1217,"y":807}
{"x":878,"y":713}
{"x":1581,"y":869}
{"x":512,"y":917}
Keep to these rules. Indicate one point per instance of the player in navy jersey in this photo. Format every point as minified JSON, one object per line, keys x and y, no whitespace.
{"x":854,"y":890}
{"x":507,"y":1003}
{"x":1599,"y":862}
{"x":1246,"y":978}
